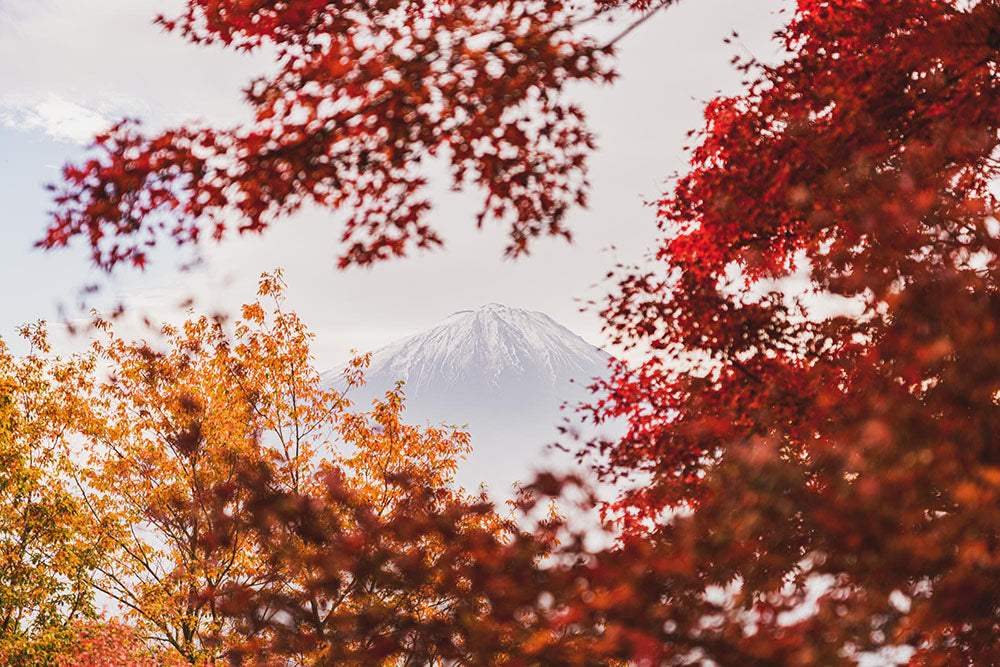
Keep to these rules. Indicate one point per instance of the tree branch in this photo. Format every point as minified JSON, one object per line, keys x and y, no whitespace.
{"x":663,"y":4}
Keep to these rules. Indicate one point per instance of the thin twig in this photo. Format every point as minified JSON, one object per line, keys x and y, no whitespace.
{"x":663,"y":4}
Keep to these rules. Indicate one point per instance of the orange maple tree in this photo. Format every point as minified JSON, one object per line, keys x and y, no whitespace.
{"x":49,"y":544}
{"x":178,"y":434}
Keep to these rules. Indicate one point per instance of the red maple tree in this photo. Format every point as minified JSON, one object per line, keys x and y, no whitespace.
{"x":858,"y":450}
{"x":363,"y":99}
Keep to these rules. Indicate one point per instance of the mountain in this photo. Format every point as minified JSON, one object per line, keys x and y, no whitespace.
{"x":504,"y":372}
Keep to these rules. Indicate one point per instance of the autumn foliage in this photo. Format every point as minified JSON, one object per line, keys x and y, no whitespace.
{"x":859,"y":450}
{"x":362,"y":102}
{"x":196,"y":486}
{"x":794,"y":487}
{"x":48,"y":542}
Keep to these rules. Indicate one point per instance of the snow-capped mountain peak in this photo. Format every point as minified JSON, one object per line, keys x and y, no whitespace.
{"x":485,"y":349}
{"x":502,"y":371}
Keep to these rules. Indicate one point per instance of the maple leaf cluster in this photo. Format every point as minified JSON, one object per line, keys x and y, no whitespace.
{"x":363,"y":101}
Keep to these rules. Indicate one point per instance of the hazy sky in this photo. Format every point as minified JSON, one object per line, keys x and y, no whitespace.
{"x":67,"y":67}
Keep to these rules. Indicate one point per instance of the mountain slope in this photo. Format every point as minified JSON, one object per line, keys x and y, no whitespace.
{"x":502,"y":371}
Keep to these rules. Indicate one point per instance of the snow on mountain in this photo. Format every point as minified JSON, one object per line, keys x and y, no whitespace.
{"x":504,"y":372}
{"x":487,"y":349}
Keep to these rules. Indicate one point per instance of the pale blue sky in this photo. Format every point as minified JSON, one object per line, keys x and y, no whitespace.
{"x":67,"y":64}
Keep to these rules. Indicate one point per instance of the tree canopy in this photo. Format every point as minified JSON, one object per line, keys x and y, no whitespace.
{"x":804,"y":489}
{"x":363,"y":98}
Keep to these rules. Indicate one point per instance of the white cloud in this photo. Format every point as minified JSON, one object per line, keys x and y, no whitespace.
{"x":99,"y":50}
{"x":56,"y":116}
